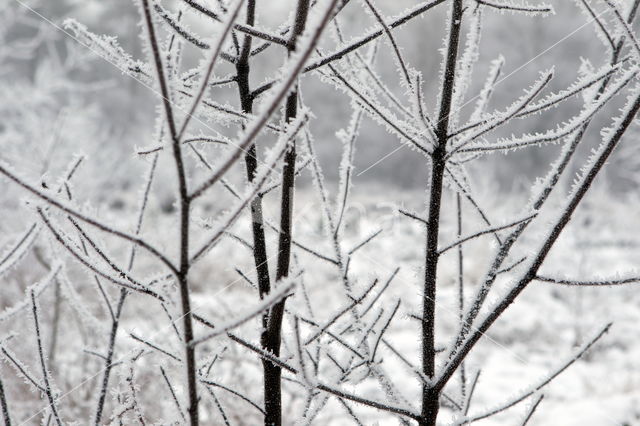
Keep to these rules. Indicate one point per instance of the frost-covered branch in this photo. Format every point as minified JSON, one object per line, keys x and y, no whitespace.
{"x":48,"y":389}
{"x":211,"y":62}
{"x":362,"y":41}
{"x":290,"y":75}
{"x":585,"y":283}
{"x":531,"y":390}
{"x":281,"y":291}
{"x":463,"y":240}
{"x":611,"y":140}
{"x":85,"y":218}
{"x":526,"y":8}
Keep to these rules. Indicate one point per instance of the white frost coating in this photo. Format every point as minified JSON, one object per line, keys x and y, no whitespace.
{"x":626,"y":28}
{"x":537,"y":386}
{"x":485,"y":94}
{"x":402,"y":66}
{"x":66,"y":207}
{"x":467,"y":62}
{"x":587,"y":69}
{"x":208,"y":66}
{"x":519,"y":7}
{"x":476,"y":234}
{"x":373,"y":82}
{"x":501,"y":118}
{"x":180,"y":28}
{"x":591,"y":167}
{"x":282,"y":289}
{"x":289,"y":73}
{"x":19,"y":250}
{"x":37,"y":289}
{"x":562,"y":131}
{"x":607,"y":135}
{"x":77,"y":304}
{"x":21,"y":369}
{"x":403,"y":129}
{"x":107,"y":47}
{"x":224,"y":114}
{"x":304,"y":367}
{"x":319,"y":182}
{"x":348,"y":139}
{"x":346,"y":353}
{"x":89,"y":263}
{"x":443,"y":52}
{"x":582,"y":85}
{"x":603,"y":34}
{"x":264,"y":171}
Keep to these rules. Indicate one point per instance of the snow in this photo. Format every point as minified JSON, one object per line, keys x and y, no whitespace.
{"x":351,"y":341}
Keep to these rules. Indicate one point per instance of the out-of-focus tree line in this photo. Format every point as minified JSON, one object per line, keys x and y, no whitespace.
{"x":57,"y":83}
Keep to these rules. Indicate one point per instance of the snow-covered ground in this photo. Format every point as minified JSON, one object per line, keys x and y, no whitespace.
{"x":542,"y":329}
{"x":537,"y":334}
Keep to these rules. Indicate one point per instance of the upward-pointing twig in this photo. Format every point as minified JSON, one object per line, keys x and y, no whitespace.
{"x":43,"y":364}
{"x":182,"y":271}
{"x":204,"y":80}
{"x":258,"y":123}
{"x":87,"y":219}
{"x":535,"y":388}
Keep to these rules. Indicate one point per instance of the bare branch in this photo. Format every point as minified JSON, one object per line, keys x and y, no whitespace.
{"x":535,"y":388}
{"x":486,"y":231}
{"x":513,"y":8}
{"x":594,"y":283}
{"x":48,"y":390}
{"x":204,"y":80}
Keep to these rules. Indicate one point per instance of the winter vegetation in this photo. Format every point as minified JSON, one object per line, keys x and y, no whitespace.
{"x":319,"y":212}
